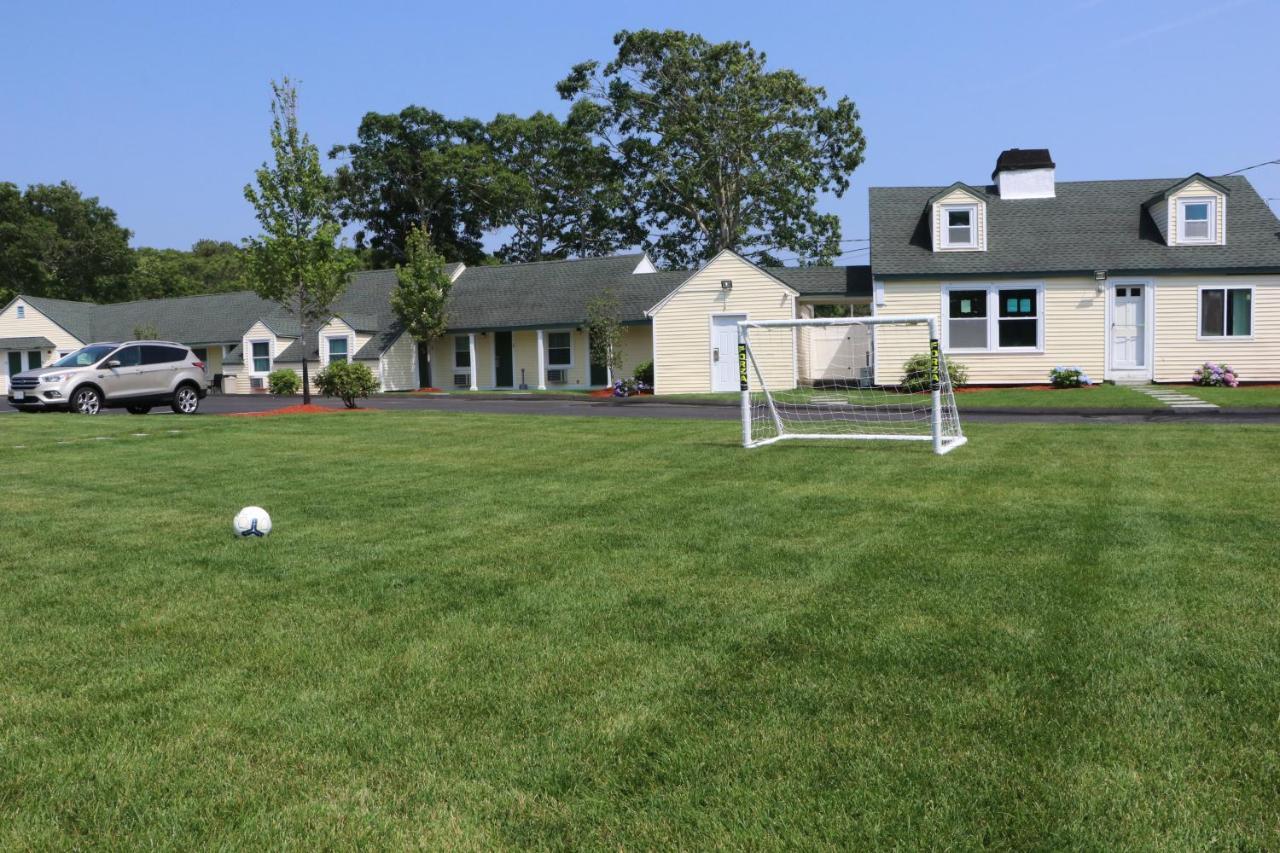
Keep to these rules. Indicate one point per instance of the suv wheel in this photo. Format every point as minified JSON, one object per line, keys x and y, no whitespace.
{"x":186,"y":401}
{"x":138,"y":410}
{"x":86,"y":401}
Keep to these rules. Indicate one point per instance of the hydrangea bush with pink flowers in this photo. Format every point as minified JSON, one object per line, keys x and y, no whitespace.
{"x":1215,"y":375}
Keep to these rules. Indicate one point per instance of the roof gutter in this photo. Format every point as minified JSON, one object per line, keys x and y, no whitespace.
{"x":1019,"y":274}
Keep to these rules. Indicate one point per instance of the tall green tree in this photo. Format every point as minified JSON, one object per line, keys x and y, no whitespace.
{"x":719,"y":151}
{"x":210,"y":266}
{"x":55,"y":242}
{"x":296,"y":260}
{"x":422,"y":289}
{"x":561,"y":192}
{"x":418,"y":168}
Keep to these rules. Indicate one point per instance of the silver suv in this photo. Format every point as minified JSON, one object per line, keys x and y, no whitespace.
{"x":137,"y":376}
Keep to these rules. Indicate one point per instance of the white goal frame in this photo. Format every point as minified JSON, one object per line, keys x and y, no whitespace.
{"x":941,"y":443}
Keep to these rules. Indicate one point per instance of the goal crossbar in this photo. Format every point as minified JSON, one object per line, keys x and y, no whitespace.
{"x":834,"y":397}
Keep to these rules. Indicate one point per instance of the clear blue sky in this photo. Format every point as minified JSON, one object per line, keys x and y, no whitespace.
{"x":161,"y":108}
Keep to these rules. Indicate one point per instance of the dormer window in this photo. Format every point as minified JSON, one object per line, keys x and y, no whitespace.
{"x":1196,"y":220}
{"x":960,"y":224}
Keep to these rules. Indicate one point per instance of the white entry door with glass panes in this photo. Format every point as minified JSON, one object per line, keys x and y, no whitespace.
{"x":1129,"y":327}
{"x":724,"y":351}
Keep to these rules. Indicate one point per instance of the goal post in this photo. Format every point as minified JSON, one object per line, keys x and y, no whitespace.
{"x":846,"y":378}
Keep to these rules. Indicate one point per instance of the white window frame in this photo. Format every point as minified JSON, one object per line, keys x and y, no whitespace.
{"x":1212,"y":237}
{"x":328,"y":347}
{"x":556,"y":366}
{"x":946,"y":241}
{"x":1253,"y":314}
{"x":21,"y":312}
{"x":993,"y":316}
{"x":252,"y":363}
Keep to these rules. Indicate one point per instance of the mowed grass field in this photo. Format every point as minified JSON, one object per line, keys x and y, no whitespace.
{"x":481,"y":632}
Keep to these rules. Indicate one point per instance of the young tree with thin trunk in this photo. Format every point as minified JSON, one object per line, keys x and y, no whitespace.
{"x":604,"y":331}
{"x":422,"y":289}
{"x":296,"y":261}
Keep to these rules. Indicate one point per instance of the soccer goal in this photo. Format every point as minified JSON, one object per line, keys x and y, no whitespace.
{"x":873,"y":378}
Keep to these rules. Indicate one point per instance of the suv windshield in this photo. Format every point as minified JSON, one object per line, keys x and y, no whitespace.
{"x":91,"y":354}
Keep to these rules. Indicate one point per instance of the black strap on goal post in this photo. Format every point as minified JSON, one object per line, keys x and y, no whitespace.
{"x":935,"y":365}
{"x":742,"y":367}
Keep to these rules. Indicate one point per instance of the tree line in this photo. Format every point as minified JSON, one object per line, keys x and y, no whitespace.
{"x":677,"y":145}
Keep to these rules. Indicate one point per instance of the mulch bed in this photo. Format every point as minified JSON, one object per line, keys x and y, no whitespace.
{"x":969,"y":389}
{"x":608,"y":392}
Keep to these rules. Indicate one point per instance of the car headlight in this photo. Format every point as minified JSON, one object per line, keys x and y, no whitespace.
{"x":53,"y":377}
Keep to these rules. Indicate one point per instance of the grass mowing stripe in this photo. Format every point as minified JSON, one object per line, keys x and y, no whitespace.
{"x":486,"y":631}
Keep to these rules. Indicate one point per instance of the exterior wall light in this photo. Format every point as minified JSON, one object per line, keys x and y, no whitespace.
{"x":726,"y":284}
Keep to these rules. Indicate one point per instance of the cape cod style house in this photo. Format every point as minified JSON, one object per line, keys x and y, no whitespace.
{"x":1139,"y":280}
{"x":1133,"y":280}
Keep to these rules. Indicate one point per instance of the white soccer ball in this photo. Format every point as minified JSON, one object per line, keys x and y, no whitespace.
{"x":251,"y":521}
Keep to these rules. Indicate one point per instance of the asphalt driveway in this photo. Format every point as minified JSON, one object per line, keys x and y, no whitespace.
{"x":544,"y":405}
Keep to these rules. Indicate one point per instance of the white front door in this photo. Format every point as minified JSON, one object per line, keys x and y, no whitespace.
{"x":1128,"y":327}
{"x":724,"y":351}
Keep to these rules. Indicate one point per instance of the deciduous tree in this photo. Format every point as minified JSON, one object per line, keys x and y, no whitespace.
{"x":604,"y":331}
{"x":55,"y":242}
{"x":560,"y":191}
{"x":422,"y":289}
{"x":296,"y":260}
{"x":412,"y":169}
{"x":719,"y":152}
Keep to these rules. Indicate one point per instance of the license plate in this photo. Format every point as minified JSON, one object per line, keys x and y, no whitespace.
{"x":18,"y":395}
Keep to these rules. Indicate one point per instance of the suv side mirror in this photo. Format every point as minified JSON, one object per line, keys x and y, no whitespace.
{"x":113,"y":363}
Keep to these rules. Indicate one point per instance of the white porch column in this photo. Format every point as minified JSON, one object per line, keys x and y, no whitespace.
{"x":542,"y":361}
{"x":471,"y":342}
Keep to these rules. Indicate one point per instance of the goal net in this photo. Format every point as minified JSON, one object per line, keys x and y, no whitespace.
{"x":846,"y":378}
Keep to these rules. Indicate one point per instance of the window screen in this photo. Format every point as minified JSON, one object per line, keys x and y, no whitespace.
{"x":967,"y":319}
{"x":959,"y":226}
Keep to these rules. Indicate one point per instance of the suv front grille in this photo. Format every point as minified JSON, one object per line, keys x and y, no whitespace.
{"x":26,"y":383}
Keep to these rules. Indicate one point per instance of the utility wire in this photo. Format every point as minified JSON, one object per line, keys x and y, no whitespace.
{"x":1254,"y":166}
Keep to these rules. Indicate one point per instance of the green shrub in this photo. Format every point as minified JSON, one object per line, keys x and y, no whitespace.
{"x":644,"y":373}
{"x":916,"y":373}
{"x":283,"y":382}
{"x":347,"y":380}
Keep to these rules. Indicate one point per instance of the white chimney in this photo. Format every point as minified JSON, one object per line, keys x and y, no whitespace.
{"x":1024,"y":173}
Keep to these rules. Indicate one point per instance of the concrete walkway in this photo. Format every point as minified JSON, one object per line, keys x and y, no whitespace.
{"x":1175,"y":399}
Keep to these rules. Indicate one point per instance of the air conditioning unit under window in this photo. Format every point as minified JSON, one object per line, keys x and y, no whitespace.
{"x":257,"y":383}
{"x":461,"y":380}
{"x":556,"y":375}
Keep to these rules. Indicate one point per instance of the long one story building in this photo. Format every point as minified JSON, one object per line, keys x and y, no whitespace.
{"x":1132,"y":280}
{"x":511,"y":326}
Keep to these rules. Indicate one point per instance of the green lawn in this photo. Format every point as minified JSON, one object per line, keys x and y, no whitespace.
{"x":1244,"y":397}
{"x":498,"y":632}
{"x":1094,"y":397}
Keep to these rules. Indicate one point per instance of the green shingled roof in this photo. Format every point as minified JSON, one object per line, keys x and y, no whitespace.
{"x":847,"y":281}
{"x":25,"y":343}
{"x":534,"y":295}
{"x":1089,"y":225}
